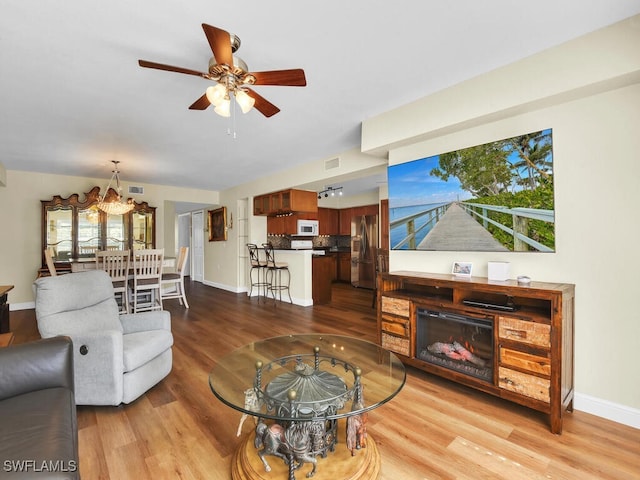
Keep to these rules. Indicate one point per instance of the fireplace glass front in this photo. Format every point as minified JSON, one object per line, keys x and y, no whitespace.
{"x":458,"y":342}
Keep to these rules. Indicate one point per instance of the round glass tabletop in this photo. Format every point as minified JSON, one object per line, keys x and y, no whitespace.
{"x":307,"y":377}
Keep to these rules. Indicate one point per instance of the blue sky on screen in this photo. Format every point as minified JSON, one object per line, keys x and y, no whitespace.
{"x":411,"y":184}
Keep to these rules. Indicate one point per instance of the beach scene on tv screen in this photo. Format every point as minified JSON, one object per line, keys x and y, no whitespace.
{"x":494,"y":197}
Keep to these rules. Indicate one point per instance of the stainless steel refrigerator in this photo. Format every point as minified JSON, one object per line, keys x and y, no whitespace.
{"x":364,"y":244}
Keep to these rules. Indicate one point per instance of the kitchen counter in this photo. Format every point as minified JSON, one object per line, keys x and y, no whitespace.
{"x":310,"y":275}
{"x":300,"y":269}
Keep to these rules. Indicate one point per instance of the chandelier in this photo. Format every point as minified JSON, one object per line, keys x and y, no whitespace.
{"x":330,"y":191}
{"x":117,"y":205}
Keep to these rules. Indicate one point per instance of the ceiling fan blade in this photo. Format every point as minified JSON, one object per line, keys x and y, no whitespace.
{"x":170,"y":68}
{"x":263,"y":105}
{"x":201,"y":104}
{"x":288,"y":78}
{"x":220,"y":43}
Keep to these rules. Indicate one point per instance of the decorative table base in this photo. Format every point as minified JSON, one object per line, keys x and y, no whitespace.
{"x":364,"y":465}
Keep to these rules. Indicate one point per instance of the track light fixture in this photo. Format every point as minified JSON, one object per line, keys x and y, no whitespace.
{"x":330,"y":191}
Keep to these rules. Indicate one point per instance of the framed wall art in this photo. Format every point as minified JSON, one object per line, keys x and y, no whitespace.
{"x":217,"y":223}
{"x":494,"y":197}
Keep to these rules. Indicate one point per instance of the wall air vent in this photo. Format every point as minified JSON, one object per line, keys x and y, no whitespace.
{"x":332,"y":163}
{"x":133,"y":190}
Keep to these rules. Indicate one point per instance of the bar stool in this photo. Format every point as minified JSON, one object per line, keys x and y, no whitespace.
{"x":260,"y":265}
{"x":275,"y":269}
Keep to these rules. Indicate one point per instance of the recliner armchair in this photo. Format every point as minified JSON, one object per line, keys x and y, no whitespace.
{"x":117,"y":358}
{"x":39,"y":427}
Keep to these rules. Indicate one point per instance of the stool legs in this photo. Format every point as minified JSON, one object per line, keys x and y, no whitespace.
{"x":275,"y":283}
{"x":261,"y":283}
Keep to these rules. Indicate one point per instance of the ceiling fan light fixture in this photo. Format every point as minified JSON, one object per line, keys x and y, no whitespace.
{"x":244,"y":101}
{"x":215,"y":94}
{"x":224,"y":108}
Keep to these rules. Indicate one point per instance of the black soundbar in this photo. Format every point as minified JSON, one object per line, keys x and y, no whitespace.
{"x":509,"y":307}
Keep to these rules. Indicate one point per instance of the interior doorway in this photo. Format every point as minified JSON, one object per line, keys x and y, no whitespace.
{"x":184,"y":239}
{"x":197,"y":244}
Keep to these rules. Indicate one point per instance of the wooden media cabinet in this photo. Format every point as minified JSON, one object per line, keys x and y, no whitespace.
{"x":518,"y":341}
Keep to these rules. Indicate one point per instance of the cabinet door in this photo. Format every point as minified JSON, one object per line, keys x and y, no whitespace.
{"x":261,"y":204}
{"x":275,"y":225}
{"x":276,"y":205}
{"x":328,"y":219}
{"x":285,"y":201}
{"x":344,"y":267}
{"x":383,"y":224}
{"x":345,"y":221}
{"x":302,"y":201}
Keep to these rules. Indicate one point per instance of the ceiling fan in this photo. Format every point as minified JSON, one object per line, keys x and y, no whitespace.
{"x":232,"y":77}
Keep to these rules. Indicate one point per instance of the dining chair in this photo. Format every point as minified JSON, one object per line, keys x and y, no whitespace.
{"x":175,"y":280}
{"x":116,"y":264}
{"x":50,"y":265}
{"x":147,"y":279}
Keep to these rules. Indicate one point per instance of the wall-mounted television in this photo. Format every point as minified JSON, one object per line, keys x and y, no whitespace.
{"x":494,"y":197}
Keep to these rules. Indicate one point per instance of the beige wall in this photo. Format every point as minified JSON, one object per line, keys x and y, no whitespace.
{"x":20,"y":217}
{"x":588,"y":92}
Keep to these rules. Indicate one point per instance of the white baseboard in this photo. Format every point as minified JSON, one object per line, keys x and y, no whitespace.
{"x":606,"y":409}
{"x":22,"y":306}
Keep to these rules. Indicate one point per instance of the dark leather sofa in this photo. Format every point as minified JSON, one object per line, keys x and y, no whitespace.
{"x":38,"y":424}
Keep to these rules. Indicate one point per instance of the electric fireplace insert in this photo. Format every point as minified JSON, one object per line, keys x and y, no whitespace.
{"x":458,"y":342}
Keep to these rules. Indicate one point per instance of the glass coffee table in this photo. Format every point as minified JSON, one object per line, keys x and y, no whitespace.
{"x":309,"y":395}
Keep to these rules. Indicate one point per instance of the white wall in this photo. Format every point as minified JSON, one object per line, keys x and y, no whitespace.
{"x":588,"y":93}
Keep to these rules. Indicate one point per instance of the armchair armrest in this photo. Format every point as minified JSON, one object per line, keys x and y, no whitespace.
{"x":36,"y":366}
{"x":140,"y":322}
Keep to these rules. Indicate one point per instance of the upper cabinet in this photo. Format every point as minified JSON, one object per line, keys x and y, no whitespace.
{"x":329,"y":221}
{"x":75,"y":229}
{"x":285,"y":202}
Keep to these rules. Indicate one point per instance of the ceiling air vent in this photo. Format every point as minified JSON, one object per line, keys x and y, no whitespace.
{"x":332,"y":163}
{"x":133,"y":190}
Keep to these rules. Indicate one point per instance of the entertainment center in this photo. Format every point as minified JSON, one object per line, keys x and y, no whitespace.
{"x":511,"y":340}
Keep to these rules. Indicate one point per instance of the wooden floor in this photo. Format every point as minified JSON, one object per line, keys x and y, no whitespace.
{"x":433,"y":429}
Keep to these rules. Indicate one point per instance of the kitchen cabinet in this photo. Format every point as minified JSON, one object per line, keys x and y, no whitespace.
{"x":262,"y":205}
{"x":345,"y":221}
{"x":321,"y":279}
{"x":329,"y":219}
{"x":285,"y":201}
{"x":344,"y":267}
{"x":282,"y":225}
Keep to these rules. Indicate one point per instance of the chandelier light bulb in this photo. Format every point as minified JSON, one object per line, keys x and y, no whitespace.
{"x":244,"y":100}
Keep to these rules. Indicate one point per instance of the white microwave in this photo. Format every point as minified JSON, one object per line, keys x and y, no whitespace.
{"x":307,"y":228}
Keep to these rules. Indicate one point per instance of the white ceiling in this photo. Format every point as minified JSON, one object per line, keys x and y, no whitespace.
{"x":73,"y":97}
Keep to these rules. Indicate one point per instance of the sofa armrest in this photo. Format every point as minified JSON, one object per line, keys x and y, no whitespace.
{"x":140,"y":322}
{"x":36,"y":366}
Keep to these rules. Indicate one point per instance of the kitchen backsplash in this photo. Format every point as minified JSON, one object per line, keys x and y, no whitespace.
{"x":282,"y":242}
